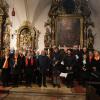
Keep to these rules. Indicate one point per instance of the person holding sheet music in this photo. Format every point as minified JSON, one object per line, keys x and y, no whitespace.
{"x":56,"y":62}
{"x":69,"y":63}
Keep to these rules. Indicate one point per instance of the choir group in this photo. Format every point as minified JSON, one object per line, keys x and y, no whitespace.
{"x":30,"y":67}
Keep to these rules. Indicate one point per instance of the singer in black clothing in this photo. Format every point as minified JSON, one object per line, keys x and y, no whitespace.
{"x":69,"y":63}
{"x":6,"y":70}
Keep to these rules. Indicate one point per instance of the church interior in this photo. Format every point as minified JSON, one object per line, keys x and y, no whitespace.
{"x":49,"y":49}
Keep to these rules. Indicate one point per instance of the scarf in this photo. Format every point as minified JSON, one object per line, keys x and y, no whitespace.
{"x":90,"y":59}
{"x":28,"y":62}
{"x":16,"y":59}
{"x":5,"y":65}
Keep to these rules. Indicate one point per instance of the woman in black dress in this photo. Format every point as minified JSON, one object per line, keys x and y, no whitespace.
{"x":29,"y":69}
{"x":6,"y":69}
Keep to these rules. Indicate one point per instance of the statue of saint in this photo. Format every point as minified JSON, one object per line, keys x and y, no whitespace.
{"x":54,"y":8}
{"x":47,"y":38}
{"x":90,"y":39}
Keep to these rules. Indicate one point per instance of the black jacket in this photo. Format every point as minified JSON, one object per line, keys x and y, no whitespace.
{"x":43,"y":63}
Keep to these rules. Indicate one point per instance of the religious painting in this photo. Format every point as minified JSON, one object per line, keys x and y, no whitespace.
{"x":69,"y":31}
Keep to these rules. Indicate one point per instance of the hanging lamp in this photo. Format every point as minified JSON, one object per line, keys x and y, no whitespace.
{"x":13,"y":12}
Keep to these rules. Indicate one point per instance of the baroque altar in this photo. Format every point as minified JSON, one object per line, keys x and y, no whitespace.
{"x":4,"y":26}
{"x":27,"y":36}
{"x":68,"y":22}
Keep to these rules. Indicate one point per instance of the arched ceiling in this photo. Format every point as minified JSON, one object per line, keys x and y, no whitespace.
{"x":27,"y":10}
{"x":32,"y":9}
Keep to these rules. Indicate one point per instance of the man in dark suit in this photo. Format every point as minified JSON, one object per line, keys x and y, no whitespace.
{"x":43,"y":65}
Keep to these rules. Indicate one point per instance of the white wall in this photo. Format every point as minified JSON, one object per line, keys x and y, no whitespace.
{"x":95,"y":5}
{"x":39,"y":24}
{"x":96,"y":32}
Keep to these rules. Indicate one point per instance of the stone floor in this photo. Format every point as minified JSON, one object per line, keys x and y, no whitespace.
{"x":43,"y":97}
{"x":37,"y":93}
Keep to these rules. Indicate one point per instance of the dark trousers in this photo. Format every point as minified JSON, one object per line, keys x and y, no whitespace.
{"x":15,"y":79}
{"x":56,"y":77}
{"x":42,"y":78}
{"x":35,"y":75}
{"x":69,"y":80}
{"x":5,"y":77}
{"x":15,"y":76}
{"x":28,"y":75}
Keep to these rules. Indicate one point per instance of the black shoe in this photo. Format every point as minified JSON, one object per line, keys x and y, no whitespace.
{"x":54,"y":85}
{"x":5,"y":85}
{"x":29,"y":85}
{"x":45,"y":85}
{"x":39,"y":85}
{"x":59,"y":86}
